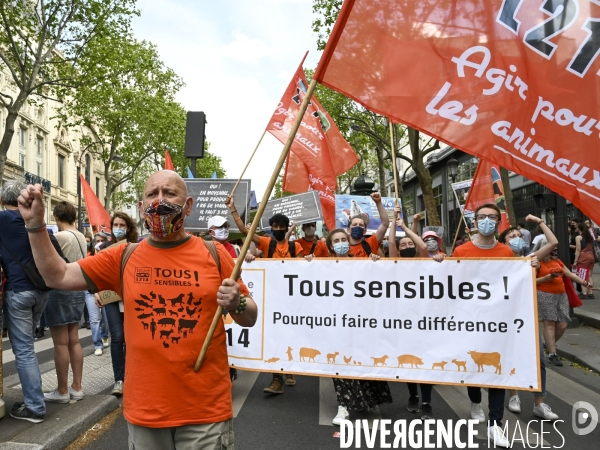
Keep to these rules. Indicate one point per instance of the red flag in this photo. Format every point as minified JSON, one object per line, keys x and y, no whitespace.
{"x":97,"y":215}
{"x":318,"y":142}
{"x":297,"y":179}
{"x":168,"y":162}
{"x":487,"y":187}
{"x":513,"y":82}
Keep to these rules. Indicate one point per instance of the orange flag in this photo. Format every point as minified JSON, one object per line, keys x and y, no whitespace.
{"x":318,"y":143}
{"x":510,"y":81}
{"x":97,"y":215}
{"x":168,"y":162}
{"x":487,"y":187}
{"x":297,"y":179}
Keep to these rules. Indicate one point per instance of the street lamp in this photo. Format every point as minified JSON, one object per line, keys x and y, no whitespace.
{"x":452,"y":171}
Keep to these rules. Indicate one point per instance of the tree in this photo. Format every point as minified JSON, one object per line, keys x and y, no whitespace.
{"x":374,"y":127}
{"x":130,"y":111}
{"x":44,"y":44}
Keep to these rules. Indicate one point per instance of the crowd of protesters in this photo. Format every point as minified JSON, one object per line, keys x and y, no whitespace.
{"x":76,"y":267}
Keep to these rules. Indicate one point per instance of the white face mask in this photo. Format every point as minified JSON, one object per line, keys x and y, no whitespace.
{"x":309,"y":231}
{"x":221,"y":234}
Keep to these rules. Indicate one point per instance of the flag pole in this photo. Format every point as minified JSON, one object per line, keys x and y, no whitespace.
{"x":462,"y":218}
{"x":263,"y":204}
{"x":248,"y":163}
{"x":394,"y":161}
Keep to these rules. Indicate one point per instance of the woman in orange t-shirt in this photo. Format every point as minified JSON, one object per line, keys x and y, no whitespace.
{"x":553,"y":304}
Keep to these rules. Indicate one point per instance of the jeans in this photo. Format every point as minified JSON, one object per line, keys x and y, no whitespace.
{"x":117,"y":339}
{"x":425,"y":391}
{"x":99,"y":326}
{"x":23,"y":311}
{"x":495,"y":402}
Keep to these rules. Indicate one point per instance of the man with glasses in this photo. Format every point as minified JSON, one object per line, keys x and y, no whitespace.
{"x":485,"y":245}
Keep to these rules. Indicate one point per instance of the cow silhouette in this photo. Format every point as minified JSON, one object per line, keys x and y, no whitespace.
{"x":176,"y":300}
{"x":145,"y":316}
{"x":309,"y":353}
{"x":145,"y":325}
{"x":173,"y":313}
{"x":486,"y":359}
{"x":165,"y":333}
{"x":162,"y":300}
{"x":160,"y":311}
{"x":190,"y":298}
{"x":414,"y":361}
{"x":190,"y":312}
{"x":167,"y":321}
{"x":175,"y":339}
{"x":143,"y":303}
{"x":187,"y":325}
{"x":165,"y":345}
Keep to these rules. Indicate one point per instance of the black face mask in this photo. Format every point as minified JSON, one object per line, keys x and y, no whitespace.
{"x":279,"y":235}
{"x":554,"y":253}
{"x":409,"y":252}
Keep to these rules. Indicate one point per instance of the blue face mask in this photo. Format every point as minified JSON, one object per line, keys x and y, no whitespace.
{"x":341,"y":248}
{"x":517,"y":244}
{"x":486,"y":227}
{"x":119,"y":232}
{"x":357,"y":233}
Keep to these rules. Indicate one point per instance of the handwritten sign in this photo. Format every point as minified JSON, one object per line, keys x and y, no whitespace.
{"x":209,"y":196}
{"x":301,"y":208}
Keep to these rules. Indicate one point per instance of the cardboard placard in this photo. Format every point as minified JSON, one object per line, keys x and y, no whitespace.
{"x":209,"y":196}
{"x":109,"y":297}
{"x":299,"y":208}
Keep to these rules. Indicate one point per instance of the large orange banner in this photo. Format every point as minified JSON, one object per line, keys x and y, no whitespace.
{"x":513,"y":81}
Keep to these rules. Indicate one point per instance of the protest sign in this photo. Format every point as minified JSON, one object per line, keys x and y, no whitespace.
{"x":467,"y":322}
{"x":348,"y":206}
{"x":461,"y":193}
{"x":301,"y":208}
{"x":209,"y":196}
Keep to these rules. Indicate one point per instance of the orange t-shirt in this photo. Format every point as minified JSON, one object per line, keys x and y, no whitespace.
{"x":321,"y":250}
{"x":170,"y":300}
{"x":281,"y":250}
{"x":556,"y":284}
{"x":358,"y":251}
{"x":469,"y":250}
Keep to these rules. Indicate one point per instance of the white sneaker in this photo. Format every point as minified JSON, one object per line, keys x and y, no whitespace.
{"x":497,"y":437}
{"x":98,"y":352}
{"x":341,"y":415}
{"x":76,"y":395}
{"x":118,"y":389}
{"x":477,"y":412}
{"x":544,"y":411}
{"x":56,"y":397}
{"x":105,"y":343}
{"x":514,"y":404}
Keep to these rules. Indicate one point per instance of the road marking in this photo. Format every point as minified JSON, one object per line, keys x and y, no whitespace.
{"x":241,"y":388}
{"x":40,"y":346}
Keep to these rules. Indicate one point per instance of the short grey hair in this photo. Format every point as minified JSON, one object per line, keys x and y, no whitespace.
{"x":11,"y":191}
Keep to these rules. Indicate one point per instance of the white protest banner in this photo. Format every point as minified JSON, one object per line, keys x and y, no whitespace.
{"x":461,"y":322}
{"x":461,"y":193}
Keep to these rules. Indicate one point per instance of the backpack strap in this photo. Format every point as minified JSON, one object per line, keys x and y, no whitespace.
{"x":129,"y":249}
{"x":291,"y":248}
{"x":212,"y":248}
{"x":366,"y":247}
{"x":312,"y":249}
{"x":272,"y":245}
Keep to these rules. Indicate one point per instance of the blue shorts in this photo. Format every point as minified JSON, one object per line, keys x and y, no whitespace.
{"x":64,"y":307}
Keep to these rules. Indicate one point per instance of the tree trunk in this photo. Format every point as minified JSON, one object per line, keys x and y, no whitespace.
{"x":424,"y":177}
{"x":7,"y":137}
{"x":508,"y":196}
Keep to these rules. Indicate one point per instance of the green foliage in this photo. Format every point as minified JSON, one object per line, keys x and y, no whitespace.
{"x":327,"y":11}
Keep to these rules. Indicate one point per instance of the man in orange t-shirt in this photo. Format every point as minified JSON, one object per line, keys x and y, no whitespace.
{"x":171,"y":287}
{"x":361,"y":247}
{"x":310,"y":244}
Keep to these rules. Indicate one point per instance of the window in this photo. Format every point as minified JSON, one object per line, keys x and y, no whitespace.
{"x":61,"y":171}
{"x":22,"y":137}
{"x":39,"y":145}
{"x":409,"y":205}
{"x":437,"y":194}
{"x":88,"y":163}
{"x":97,"y":187}
{"x":22,"y":160}
{"x":39,"y":169}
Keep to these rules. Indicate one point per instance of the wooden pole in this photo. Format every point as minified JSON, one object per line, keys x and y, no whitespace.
{"x":394,"y":161}
{"x":263,"y":204}
{"x":248,"y":163}
{"x":460,"y":223}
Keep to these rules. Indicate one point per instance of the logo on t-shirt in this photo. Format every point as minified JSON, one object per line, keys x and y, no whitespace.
{"x":142,"y":274}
